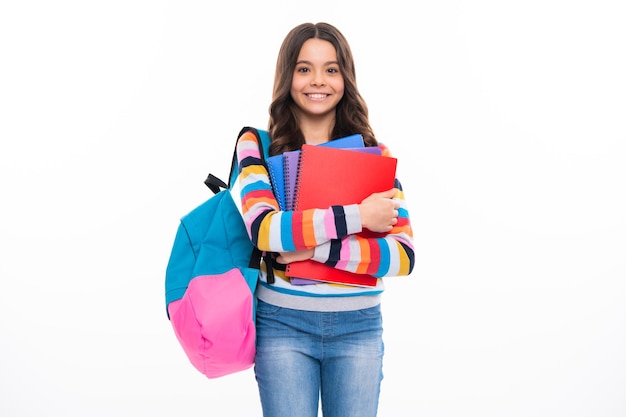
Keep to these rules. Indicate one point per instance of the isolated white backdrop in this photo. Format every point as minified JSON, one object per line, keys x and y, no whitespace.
{"x":507,"y":118}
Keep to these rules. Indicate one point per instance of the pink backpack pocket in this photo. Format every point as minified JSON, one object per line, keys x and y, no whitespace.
{"x":214,"y":323}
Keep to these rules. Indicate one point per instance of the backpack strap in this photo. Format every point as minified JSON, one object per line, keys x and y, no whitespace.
{"x":215,"y":184}
{"x":264,"y":144}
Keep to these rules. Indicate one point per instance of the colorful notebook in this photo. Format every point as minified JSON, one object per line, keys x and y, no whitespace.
{"x":291,"y":159}
{"x":374,"y":150}
{"x":352,"y":141}
{"x":276,"y":171}
{"x":331,"y":176}
{"x":370,"y":149}
{"x":276,"y":168}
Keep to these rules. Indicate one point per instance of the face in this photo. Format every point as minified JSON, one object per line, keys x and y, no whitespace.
{"x":317,"y":85}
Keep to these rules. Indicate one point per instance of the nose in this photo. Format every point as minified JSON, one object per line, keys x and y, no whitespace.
{"x":318,"y":79}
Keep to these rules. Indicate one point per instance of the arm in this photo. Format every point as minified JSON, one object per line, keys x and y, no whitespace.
{"x":325,"y":235}
{"x":379,"y":212}
{"x":284,"y":231}
{"x":388,"y":255}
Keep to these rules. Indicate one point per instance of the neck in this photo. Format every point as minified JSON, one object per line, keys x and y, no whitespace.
{"x":317,"y":131}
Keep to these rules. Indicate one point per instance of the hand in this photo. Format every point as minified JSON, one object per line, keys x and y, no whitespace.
{"x":298,"y":255}
{"x":379,"y":212}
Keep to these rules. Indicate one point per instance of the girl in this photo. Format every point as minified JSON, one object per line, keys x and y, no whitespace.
{"x":319,"y":340}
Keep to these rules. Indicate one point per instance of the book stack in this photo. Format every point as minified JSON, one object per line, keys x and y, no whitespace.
{"x":338,"y":172}
{"x":283,"y":169}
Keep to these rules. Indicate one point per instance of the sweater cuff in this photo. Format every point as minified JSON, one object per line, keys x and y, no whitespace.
{"x":321,"y":252}
{"x":353,"y":219}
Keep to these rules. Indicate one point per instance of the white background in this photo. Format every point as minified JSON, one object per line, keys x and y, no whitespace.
{"x":508,"y":121}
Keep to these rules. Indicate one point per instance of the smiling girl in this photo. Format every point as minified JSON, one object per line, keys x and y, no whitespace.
{"x":320,"y":341}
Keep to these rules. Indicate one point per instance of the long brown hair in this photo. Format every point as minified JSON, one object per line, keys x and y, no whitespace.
{"x":351,"y":113}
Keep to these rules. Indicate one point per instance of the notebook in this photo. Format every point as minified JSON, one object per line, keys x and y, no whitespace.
{"x":332,"y":176}
{"x":276,"y":172}
{"x":370,"y":149}
{"x":283,"y":169}
{"x":291,"y":160}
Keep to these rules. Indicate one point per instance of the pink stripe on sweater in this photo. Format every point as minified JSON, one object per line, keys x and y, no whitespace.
{"x":245,"y":153}
{"x":329,"y":225}
{"x":344,"y":254}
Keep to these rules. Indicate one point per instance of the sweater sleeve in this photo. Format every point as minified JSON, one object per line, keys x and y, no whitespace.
{"x":391,"y":255}
{"x":332,"y":231}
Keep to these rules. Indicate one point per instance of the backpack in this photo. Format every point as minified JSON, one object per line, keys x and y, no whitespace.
{"x":211,"y":277}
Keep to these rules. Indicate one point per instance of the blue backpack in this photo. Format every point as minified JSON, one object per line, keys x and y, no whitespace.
{"x":211,"y":277}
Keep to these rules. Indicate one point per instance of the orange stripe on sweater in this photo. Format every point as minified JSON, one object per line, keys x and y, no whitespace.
{"x":365,"y":256}
{"x":307,"y":228}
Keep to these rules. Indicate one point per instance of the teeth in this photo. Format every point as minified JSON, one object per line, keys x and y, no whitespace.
{"x":317,"y":95}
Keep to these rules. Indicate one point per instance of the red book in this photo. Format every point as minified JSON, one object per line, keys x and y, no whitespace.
{"x":332,"y":176}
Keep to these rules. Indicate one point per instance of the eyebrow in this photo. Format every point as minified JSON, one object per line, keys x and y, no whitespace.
{"x":310,"y":63}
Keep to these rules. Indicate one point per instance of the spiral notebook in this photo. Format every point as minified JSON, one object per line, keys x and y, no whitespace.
{"x":291,"y":162}
{"x":290,"y":191}
{"x":332,"y":176}
{"x":277,"y":169}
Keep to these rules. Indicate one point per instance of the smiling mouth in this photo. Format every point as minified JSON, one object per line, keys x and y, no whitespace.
{"x":317,"y":96}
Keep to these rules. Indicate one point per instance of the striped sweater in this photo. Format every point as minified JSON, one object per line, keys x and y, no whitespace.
{"x":336,"y":245}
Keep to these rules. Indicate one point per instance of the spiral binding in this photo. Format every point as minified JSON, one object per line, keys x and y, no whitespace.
{"x":289,"y":203}
{"x":273,"y":182}
{"x":296,"y":191}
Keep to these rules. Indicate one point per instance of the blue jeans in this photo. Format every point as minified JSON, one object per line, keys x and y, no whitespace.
{"x":304,"y":355}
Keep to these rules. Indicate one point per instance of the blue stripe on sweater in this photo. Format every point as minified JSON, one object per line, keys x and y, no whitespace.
{"x":286,"y":235}
{"x":385,"y":258}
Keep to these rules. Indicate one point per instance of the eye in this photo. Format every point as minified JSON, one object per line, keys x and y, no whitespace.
{"x":333,"y":70}
{"x":302,"y":69}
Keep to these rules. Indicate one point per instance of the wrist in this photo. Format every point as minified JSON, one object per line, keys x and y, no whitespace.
{"x":354,"y":218}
